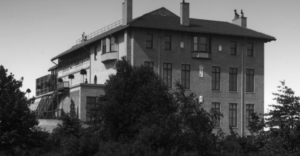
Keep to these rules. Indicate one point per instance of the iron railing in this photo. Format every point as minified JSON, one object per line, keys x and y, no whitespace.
{"x":63,"y":85}
{"x":98,"y":32}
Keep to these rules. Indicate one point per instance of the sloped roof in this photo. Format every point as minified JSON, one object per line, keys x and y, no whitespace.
{"x":164,"y":19}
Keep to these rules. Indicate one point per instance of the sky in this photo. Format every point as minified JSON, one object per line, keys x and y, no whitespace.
{"x":34,"y":31}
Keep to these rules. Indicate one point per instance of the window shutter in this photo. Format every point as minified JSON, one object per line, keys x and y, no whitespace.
{"x":209,"y":45}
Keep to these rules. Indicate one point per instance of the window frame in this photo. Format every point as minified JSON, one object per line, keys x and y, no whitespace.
{"x":149,"y":41}
{"x":233,"y":80}
{"x":234,"y":53}
{"x":250,"y":50}
{"x":217,"y":107}
{"x":250,"y":73}
{"x":149,"y":64}
{"x":104,"y":48}
{"x":249,"y":111}
{"x":186,"y":76}
{"x":216,"y":78}
{"x":167,"y":74}
{"x":196,"y":44}
{"x":168,"y":44}
{"x":90,"y":111}
{"x":232,"y":115}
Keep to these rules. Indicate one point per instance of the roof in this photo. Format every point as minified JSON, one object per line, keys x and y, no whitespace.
{"x":116,"y":29}
{"x":52,"y":68}
{"x":155,"y":20}
{"x":164,"y":19}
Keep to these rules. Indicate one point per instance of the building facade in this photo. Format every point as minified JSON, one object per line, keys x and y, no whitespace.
{"x":221,"y":62}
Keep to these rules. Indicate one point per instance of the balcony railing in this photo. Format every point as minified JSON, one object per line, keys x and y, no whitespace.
{"x":98,"y":32}
{"x":73,"y":69}
{"x":109,"y":56}
{"x":201,"y":55}
{"x":63,"y":85}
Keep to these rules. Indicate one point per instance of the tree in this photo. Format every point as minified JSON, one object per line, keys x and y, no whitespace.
{"x":28,"y":91}
{"x":284,"y":118}
{"x":71,"y":77}
{"x":134,"y":97}
{"x":17,"y":122}
{"x":139,"y":108}
{"x":83,"y":72}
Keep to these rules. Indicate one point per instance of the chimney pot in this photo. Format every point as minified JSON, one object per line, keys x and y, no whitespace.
{"x":240,"y":21}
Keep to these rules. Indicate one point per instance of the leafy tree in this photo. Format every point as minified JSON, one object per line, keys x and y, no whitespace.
{"x":17,"y":122}
{"x":256,"y":124}
{"x":134,"y":97}
{"x":284,"y":117}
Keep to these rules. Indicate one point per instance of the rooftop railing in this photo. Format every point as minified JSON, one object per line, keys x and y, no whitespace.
{"x":98,"y":32}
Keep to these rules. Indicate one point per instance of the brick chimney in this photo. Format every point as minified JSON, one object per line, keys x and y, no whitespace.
{"x":127,"y":11}
{"x":185,"y":13}
{"x":240,"y":21}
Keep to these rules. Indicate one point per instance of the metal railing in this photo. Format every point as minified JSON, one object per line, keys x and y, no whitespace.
{"x":98,"y":32}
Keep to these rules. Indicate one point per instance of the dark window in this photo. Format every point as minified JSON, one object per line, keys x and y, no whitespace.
{"x":233,"y":79}
{"x":250,"y":49}
{"x":216,"y":78}
{"x":95,"y":52}
{"x":232,"y":115}
{"x":149,"y":41}
{"x":91,"y":106}
{"x":185,"y":75}
{"x":200,"y":44}
{"x":113,"y":44}
{"x":232,"y":48}
{"x":104,"y":46}
{"x":168,"y":42}
{"x":249,"y":80}
{"x":167,"y":75}
{"x":249,"y":112}
{"x":195,"y":43}
{"x":216,"y":107}
{"x":149,"y":64}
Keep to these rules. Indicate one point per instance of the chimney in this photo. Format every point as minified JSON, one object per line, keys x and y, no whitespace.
{"x":240,"y":21}
{"x":185,"y":13}
{"x":127,"y":11}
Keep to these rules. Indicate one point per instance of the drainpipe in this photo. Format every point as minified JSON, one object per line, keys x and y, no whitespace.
{"x":242,"y":91}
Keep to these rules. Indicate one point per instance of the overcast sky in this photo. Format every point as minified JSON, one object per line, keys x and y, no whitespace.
{"x":34,"y":31}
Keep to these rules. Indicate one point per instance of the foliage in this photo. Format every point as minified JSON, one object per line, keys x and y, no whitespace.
{"x":256,"y":124}
{"x":17,"y":122}
{"x":284,"y":118}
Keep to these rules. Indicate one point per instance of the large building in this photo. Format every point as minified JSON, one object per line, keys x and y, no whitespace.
{"x":221,"y":62}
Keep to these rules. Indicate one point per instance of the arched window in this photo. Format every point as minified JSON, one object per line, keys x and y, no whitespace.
{"x":95,"y":79}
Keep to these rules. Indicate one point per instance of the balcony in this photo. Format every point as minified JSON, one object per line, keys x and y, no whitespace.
{"x":63,"y":85}
{"x":201,"y":55}
{"x":73,"y":69}
{"x":109,"y":56}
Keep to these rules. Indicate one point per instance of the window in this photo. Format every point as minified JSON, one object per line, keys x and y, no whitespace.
{"x":232,"y":48}
{"x":250,"y":49}
{"x":185,"y":75}
{"x":200,"y":44}
{"x":216,"y":78}
{"x":168,"y":44}
{"x":113,"y":44}
{"x":167,"y":75}
{"x":216,"y":107}
{"x":232,"y":79}
{"x":91,"y":106}
{"x":195,"y":43}
{"x":249,"y":80}
{"x":149,"y":64}
{"x":103,"y":46}
{"x":95,"y":52}
{"x":249,"y":112}
{"x":232,"y":115}
{"x":149,"y":41}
